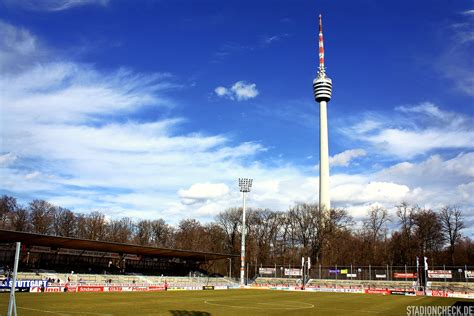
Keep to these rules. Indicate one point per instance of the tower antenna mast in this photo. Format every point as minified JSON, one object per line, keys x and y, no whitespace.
{"x":321,"y":46}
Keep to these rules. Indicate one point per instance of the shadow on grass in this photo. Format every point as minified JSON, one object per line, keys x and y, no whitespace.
{"x":464,"y":305}
{"x":189,"y":313}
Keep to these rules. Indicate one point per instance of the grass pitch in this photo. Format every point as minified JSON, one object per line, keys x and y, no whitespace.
{"x":222,"y":302}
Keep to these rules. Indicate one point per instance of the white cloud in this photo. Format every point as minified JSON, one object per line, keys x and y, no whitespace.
{"x":200,"y":192}
{"x":423,"y":129}
{"x":271,"y":39}
{"x":7,"y":159}
{"x":344,"y":158}
{"x":424,"y":108}
{"x":416,"y":183}
{"x":239,"y":91}
{"x":267,"y":40}
{"x":454,"y":60}
{"x":18,"y":48}
{"x":221,"y":91}
{"x":408,"y":144}
{"x":454,"y":171}
{"x":244,"y":91}
{"x":367,"y":126}
{"x":353,"y":190}
{"x":33,"y":175}
{"x":61,"y":118}
{"x":74,"y":92}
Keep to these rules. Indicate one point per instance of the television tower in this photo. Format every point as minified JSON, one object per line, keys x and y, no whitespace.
{"x":322,"y":87}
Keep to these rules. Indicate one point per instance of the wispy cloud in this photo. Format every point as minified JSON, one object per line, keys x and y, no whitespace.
{"x":468,"y":12}
{"x":18,"y":48}
{"x":239,"y":91}
{"x":7,"y":159}
{"x":420,"y":130}
{"x":55,"y":5}
{"x":231,"y":48}
{"x":455,"y":61}
{"x":64,"y":135}
{"x":345,"y":158}
{"x":270,"y":39}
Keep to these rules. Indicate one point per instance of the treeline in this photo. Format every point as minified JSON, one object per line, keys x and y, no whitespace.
{"x":272,"y":237}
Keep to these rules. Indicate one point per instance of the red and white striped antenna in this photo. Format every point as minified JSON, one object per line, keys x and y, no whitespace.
{"x":321,"y":43}
{"x":322,"y":69}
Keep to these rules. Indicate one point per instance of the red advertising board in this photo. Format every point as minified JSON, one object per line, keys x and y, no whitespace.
{"x":139,"y":288}
{"x":156,"y":288}
{"x":404,"y":275}
{"x":439,"y":293}
{"x":377,"y":291}
{"x":115,"y":289}
{"x":83,"y":288}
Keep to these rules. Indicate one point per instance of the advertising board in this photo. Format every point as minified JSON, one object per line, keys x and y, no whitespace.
{"x":292,"y":271}
{"x":440,"y":274}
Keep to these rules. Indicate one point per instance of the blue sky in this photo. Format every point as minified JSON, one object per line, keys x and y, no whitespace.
{"x":153,"y":109}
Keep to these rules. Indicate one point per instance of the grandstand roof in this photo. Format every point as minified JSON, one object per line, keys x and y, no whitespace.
{"x":31,"y":239}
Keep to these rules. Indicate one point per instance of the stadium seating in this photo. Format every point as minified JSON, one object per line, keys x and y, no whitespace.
{"x":283,"y":282}
{"x":96,"y":279}
{"x":360,"y":284}
{"x":452,"y":286}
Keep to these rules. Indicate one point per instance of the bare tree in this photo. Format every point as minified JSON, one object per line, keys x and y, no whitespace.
{"x":162,"y":233}
{"x":230,"y":220}
{"x":451,"y":225}
{"x":428,"y":232}
{"x":144,"y":232}
{"x":64,"y":222}
{"x":120,"y":230}
{"x":8,"y":206}
{"x":375,"y":227}
{"x":189,"y":234}
{"x":42,"y":216}
{"x":405,"y":213}
{"x":406,"y":241}
{"x":95,"y":226}
{"x":81,"y":231}
{"x":20,"y":220}
{"x":302,"y":219}
{"x":377,"y":218}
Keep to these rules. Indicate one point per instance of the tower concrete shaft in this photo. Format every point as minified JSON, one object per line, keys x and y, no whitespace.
{"x":324,"y":201}
{"x":322,"y":87}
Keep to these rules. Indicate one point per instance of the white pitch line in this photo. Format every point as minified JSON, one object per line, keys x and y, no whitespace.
{"x":277,"y":306}
{"x":63,"y":312}
{"x":289,"y":306}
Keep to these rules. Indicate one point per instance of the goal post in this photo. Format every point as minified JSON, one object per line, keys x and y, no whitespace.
{"x":12,"y":302}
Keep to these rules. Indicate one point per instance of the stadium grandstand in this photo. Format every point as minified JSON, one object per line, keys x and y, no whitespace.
{"x":71,"y":262}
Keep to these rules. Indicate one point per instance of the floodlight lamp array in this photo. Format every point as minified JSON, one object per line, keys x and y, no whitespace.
{"x":245,"y":184}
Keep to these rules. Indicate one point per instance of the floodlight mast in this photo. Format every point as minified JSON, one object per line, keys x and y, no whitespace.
{"x":245,"y":185}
